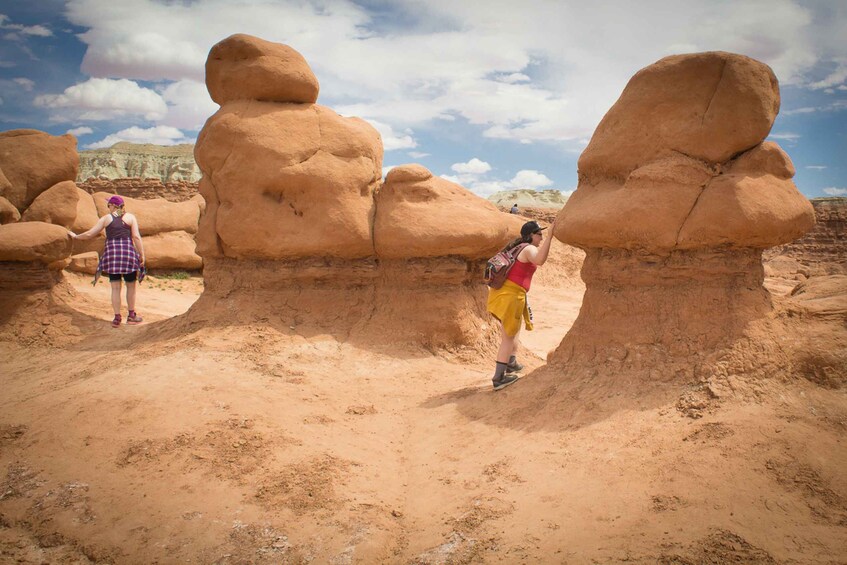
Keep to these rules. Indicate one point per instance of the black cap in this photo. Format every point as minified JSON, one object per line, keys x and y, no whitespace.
{"x":530,"y":227}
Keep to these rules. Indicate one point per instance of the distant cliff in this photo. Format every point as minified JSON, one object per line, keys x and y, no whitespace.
{"x":527,"y":198}
{"x":168,"y":164}
{"x":822,"y":251}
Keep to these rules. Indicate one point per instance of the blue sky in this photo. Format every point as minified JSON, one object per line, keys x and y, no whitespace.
{"x":492,"y":94}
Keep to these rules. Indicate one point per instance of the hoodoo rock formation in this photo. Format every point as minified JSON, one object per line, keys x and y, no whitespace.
{"x":32,"y":161}
{"x":299,"y":225}
{"x":678,"y":196}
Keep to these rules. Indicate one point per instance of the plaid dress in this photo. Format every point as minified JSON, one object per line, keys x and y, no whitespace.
{"x":119,"y":256}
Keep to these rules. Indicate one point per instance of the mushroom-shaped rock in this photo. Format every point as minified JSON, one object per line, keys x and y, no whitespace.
{"x":678,"y":195}
{"x":8,"y":213}
{"x":34,"y":241}
{"x":32,"y":161}
{"x":156,"y":215}
{"x":56,"y":205}
{"x":287,"y":181}
{"x":243,"y":67}
{"x":421,"y":215}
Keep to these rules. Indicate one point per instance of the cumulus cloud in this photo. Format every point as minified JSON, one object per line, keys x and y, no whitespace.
{"x":480,"y":184}
{"x":189,"y":104}
{"x":19,"y":30}
{"x":832,"y":191}
{"x":530,"y":179}
{"x":104,"y":99}
{"x":82,"y":130}
{"x":474,"y":167}
{"x":392,"y":141}
{"x":523,"y":72}
{"x":158,"y":135}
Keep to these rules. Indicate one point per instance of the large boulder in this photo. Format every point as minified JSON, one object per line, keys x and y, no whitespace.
{"x":56,"y":205}
{"x":421,"y":215}
{"x":32,"y":161}
{"x":171,"y":250}
{"x":34,"y":241}
{"x":287,"y":180}
{"x":86,"y":212}
{"x":243,"y":67}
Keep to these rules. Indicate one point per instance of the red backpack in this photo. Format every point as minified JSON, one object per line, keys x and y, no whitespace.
{"x":498,"y":267}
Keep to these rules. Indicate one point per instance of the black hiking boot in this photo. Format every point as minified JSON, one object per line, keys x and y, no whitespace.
{"x":504,"y":381}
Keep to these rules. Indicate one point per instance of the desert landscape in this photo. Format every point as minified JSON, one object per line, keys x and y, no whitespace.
{"x":318,"y":389}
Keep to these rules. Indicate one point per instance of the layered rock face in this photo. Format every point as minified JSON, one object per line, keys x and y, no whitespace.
{"x":678,"y":195}
{"x":169,"y":164}
{"x":527,"y":198}
{"x":143,"y":189}
{"x":822,"y":251}
{"x":299,"y":228}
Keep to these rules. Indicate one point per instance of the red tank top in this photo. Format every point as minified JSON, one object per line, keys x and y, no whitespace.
{"x":521,"y":274}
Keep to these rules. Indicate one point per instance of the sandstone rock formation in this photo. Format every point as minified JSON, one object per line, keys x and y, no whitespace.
{"x":527,"y":198}
{"x":8,"y":213}
{"x":31,"y":255}
{"x":32,"y":161}
{"x":678,"y":195}
{"x":299,"y":230}
{"x":166,"y":164}
{"x":143,"y":189}
{"x":56,"y":205}
{"x":822,"y":251}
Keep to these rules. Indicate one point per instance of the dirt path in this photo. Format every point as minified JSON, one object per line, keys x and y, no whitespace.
{"x":249,"y":445}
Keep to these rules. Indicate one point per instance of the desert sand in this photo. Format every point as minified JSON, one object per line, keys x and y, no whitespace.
{"x":256,"y":444}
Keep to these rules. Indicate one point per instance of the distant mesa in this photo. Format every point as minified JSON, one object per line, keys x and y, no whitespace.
{"x":528,"y":198}
{"x":168,"y":163}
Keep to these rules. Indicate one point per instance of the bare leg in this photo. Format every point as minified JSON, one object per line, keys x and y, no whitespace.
{"x":116,"y":297}
{"x":507,"y":345}
{"x":130,"y":295}
{"x":517,"y":342}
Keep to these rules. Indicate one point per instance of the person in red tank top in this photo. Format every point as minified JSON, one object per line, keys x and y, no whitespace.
{"x":508,"y":304}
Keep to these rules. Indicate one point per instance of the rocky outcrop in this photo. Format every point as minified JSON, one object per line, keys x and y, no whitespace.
{"x":167,"y":164}
{"x":142,"y":189}
{"x":32,"y":255}
{"x":678,"y":195}
{"x":8,"y":213}
{"x":56,"y":205}
{"x":299,"y":229}
{"x":527,"y":198}
{"x":32,"y":161}
{"x":822,"y":251}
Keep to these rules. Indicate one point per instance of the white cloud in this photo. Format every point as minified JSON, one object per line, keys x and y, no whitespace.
{"x":784,"y":136}
{"x":18,"y":29}
{"x":104,"y":99}
{"x":530,"y":179}
{"x":835,"y":78}
{"x":80,"y":131}
{"x":159,"y":135}
{"x":189,"y":105}
{"x":386,"y":169}
{"x":24,"y":83}
{"x":816,"y":167}
{"x":417,"y":154}
{"x":392,"y":141}
{"x":832,"y":191}
{"x":514,"y":77}
{"x":472,"y":167}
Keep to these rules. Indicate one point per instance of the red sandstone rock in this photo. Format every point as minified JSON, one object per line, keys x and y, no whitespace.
{"x":8,"y":213}
{"x":86,"y":213}
{"x":34,"y":241}
{"x":287,"y":180}
{"x":243,"y":67}
{"x":33,"y":161}
{"x":172,"y":250}
{"x":84,"y":262}
{"x":156,"y":215}
{"x":56,"y":205}
{"x":420,"y":215}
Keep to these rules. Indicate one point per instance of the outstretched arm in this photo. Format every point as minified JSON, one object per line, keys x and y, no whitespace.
{"x":98,"y":227}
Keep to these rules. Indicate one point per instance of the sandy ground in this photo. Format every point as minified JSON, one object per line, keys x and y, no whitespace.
{"x":250,"y":445}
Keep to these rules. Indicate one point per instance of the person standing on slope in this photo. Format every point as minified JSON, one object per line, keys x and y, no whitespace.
{"x":509,"y":303}
{"x":123,"y":256}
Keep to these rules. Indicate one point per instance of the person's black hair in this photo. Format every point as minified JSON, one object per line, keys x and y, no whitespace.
{"x":514,"y":243}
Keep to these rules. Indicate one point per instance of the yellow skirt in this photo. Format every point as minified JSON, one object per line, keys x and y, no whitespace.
{"x":509,"y":304}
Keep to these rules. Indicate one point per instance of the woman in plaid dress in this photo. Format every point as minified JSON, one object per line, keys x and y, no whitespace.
{"x":123,"y":256}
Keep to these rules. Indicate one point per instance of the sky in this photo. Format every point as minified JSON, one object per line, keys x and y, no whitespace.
{"x":495,"y":95}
